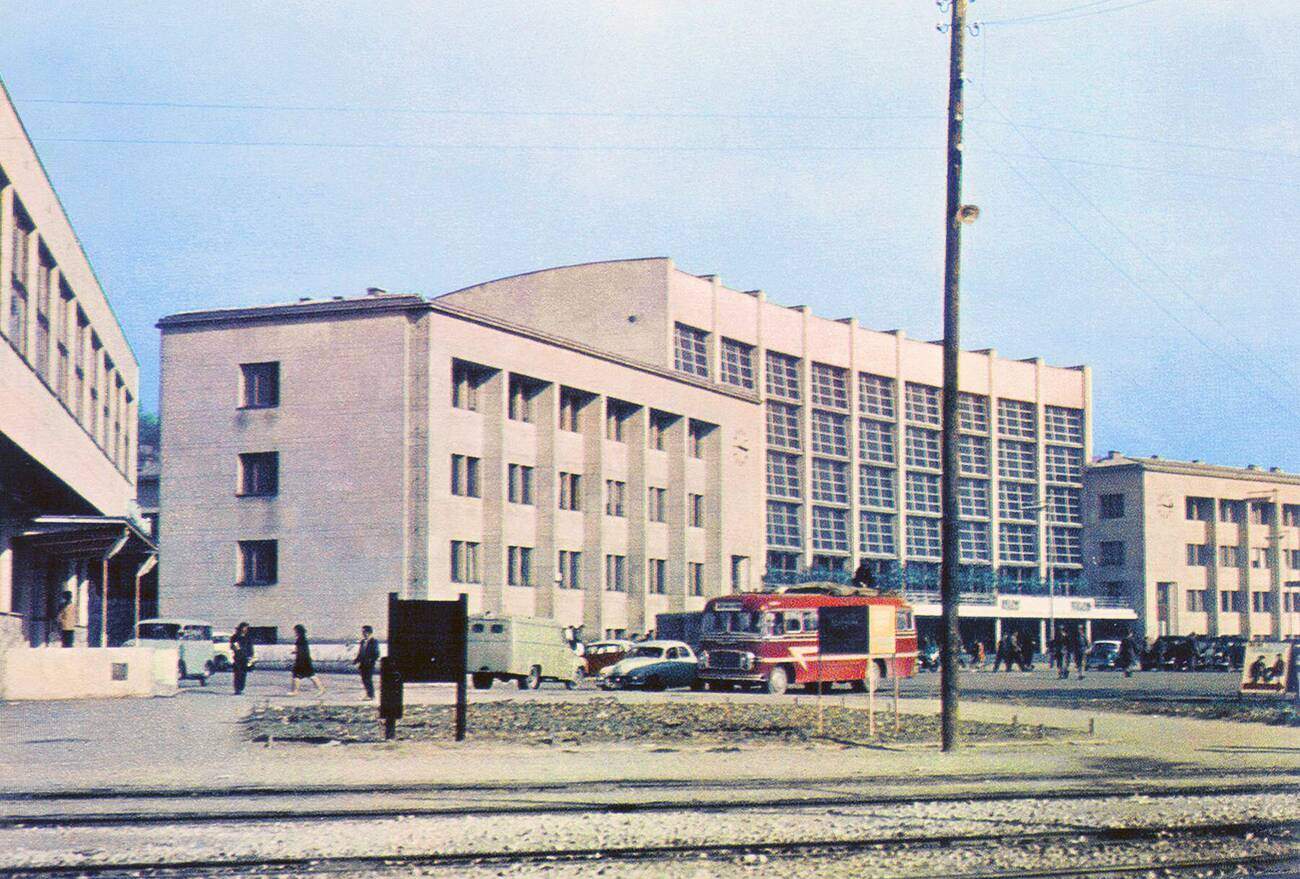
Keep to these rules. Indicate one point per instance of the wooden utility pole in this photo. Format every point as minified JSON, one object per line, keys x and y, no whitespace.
{"x":950,"y":644}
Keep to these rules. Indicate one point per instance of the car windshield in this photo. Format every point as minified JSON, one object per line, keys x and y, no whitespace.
{"x":650,"y":652}
{"x":159,"y":631}
{"x":743,"y":622}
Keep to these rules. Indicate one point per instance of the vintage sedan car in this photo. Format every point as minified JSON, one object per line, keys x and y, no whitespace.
{"x":653,"y":665}
{"x":1102,"y":655}
{"x":600,"y":655}
{"x":192,"y":640}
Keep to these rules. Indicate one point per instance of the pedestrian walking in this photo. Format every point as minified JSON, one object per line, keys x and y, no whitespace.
{"x":241,"y":655}
{"x":1125,"y":658}
{"x":66,"y":617}
{"x":1003,"y":654}
{"x":1025,"y":658}
{"x":1057,"y":646}
{"x":302,"y":665}
{"x":1080,"y":648}
{"x":366,"y":659}
{"x":979,"y":656}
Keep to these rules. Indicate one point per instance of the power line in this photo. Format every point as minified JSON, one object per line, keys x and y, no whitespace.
{"x":1108,"y":135}
{"x":1071,"y":13}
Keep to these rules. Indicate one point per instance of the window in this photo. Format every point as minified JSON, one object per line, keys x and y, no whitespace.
{"x":1230,"y":557}
{"x":1017,"y":500}
{"x":973,"y":455}
{"x":258,"y":562}
{"x":830,"y":529}
{"x":973,"y":412}
{"x":44,"y":266}
{"x":690,"y":350}
{"x":1261,"y":557}
{"x":783,"y":425}
{"x":876,"y":395}
{"x":830,"y":481}
{"x":1232,"y":602}
{"x":571,"y":403}
{"x":1261,"y":602}
{"x":1200,"y":555}
{"x":830,"y":433}
{"x":656,"y":576}
{"x":1017,"y":460}
{"x":1016,"y":418}
{"x":23,"y":230}
{"x":974,"y":540}
{"x":782,"y":564}
{"x":466,"y":379}
{"x":1291,"y":514}
{"x":782,"y":376}
{"x":658,"y":430}
{"x":570,"y":491}
{"x":1063,"y":505}
{"x":614,"y":492}
{"x":615,"y":573}
{"x":739,"y":573}
{"x":1063,"y":425}
{"x":1197,"y":600}
{"x":876,"y":536}
{"x":570,"y":569}
{"x":737,"y":363}
{"x":783,"y":475}
{"x":464,"y":476}
{"x":1261,"y":513}
{"x":1017,"y":543}
{"x":1293,"y":559}
{"x":783,"y":524}
{"x":617,"y":416}
{"x":656,"y":504}
{"x":1065,"y":464}
{"x":1232,"y":511}
{"x":259,"y":474}
{"x":1111,"y":506}
{"x":876,"y":487}
{"x":1200,"y":509}
{"x":261,"y":385}
{"x":973,"y":498}
{"x":1110,"y":553}
{"x":519,"y":484}
{"x":695,"y":578}
{"x":923,"y":448}
{"x":829,"y":386}
{"x":63,"y":368}
{"x":519,"y":565}
{"x":464,"y":562}
{"x":1064,"y":546}
{"x":522,"y":392}
{"x":923,"y":538}
{"x":698,"y":436}
{"x":79,"y":345}
{"x":695,"y":511}
{"x":923,"y":493}
{"x":922,"y":403}
{"x":876,"y":441}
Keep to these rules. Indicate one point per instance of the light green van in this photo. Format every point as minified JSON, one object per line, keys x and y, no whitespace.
{"x":521,"y":649}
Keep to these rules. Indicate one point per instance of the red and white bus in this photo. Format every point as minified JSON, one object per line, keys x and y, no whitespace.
{"x":770,"y":640}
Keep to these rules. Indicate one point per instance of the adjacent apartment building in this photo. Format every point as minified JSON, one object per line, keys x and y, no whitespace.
{"x":68,"y":401}
{"x":597,"y":443}
{"x":1198,"y":548}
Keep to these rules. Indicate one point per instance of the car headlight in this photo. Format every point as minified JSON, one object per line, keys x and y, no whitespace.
{"x":748,"y":660}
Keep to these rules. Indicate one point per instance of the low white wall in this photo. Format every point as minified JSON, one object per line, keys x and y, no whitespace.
{"x":86,"y":672}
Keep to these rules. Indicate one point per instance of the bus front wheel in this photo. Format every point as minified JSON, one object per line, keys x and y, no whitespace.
{"x":777,"y":681}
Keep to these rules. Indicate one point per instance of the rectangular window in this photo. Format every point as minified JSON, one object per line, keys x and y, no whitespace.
{"x":21,"y":251}
{"x":1063,"y":425}
{"x":691,"y":350}
{"x":259,"y":474}
{"x":657,"y":437}
{"x":923,"y":448}
{"x":829,"y":386}
{"x":737,"y":363}
{"x":923,"y":538}
{"x":258,"y":562}
{"x":656,"y":576}
{"x":830,"y":481}
{"x":695,"y":578}
{"x":829,"y":433}
{"x":973,"y":455}
{"x":570,"y":569}
{"x":782,"y":376}
{"x":1262,"y":602}
{"x":519,"y":565}
{"x":783,"y":475}
{"x":570,"y":491}
{"x":974,"y":540}
{"x":261,"y":385}
{"x":1017,"y":418}
{"x":783,"y":425}
{"x":876,"y":441}
{"x":1017,"y":460}
{"x":657,"y":504}
{"x":1232,"y":602}
{"x":923,"y":493}
{"x":1293,"y":559}
{"x":1064,"y":546}
{"x":1200,"y":555}
{"x":519,"y":484}
{"x":739,"y":573}
{"x":1261,"y":513}
{"x":875,"y":395}
{"x":464,"y":562}
{"x":1063,"y":505}
{"x":1110,"y":553}
{"x":44,"y":268}
{"x":464,"y":476}
{"x":1200,"y":509}
{"x":614,"y":496}
{"x":1230,"y":557}
{"x":973,"y":498}
{"x":876,"y":487}
{"x":1111,"y":506}
{"x":466,"y":379}
{"x":1017,"y":543}
{"x":1232,"y":511}
{"x":877,"y":534}
{"x":523,"y":392}
{"x":973,"y":412}
{"x":830,"y":529}
{"x":923,"y":403}
{"x":1261,"y":557}
{"x":697,"y":438}
{"x":571,"y":403}
{"x":1197,"y":600}
{"x":1291,"y":514}
{"x":783,"y":524}
{"x":1017,"y":500}
{"x":615,"y":573}
{"x":1065,"y":464}
{"x":695,"y":511}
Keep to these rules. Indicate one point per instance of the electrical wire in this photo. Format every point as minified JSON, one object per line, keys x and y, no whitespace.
{"x":1069,"y":14}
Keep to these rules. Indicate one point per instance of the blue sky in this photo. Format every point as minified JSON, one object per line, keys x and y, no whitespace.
{"x":1137,"y":163}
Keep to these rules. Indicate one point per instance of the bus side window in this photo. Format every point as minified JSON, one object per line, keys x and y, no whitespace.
{"x":903,"y":622}
{"x":793,"y":622}
{"x":810,"y":621}
{"x":478,"y":627}
{"x":497,"y":628}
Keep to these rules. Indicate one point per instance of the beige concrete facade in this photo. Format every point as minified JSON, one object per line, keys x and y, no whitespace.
{"x":1200,"y":548}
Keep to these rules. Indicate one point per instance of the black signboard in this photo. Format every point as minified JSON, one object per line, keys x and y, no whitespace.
{"x":844,"y":630}
{"x":426,"y":639}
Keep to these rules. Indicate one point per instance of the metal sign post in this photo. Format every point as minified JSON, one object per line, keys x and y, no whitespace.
{"x":846,"y":631}
{"x":427,"y":644}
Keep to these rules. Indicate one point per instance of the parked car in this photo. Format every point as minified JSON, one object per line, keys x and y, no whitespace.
{"x":654,"y":665}
{"x":1231,"y":651}
{"x":1179,"y":653}
{"x":523,"y":649}
{"x":1102,"y":655}
{"x":600,"y":655}
{"x":191,"y":638}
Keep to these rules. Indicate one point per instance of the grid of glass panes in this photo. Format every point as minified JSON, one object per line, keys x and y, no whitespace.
{"x":783,"y":474}
{"x":1016,"y":500}
{"x":876,"y":536}
{"x":922,"y":403}
{"x":973,"y":498}
{"x":737,"y":363}
{"x":923,"y":540}
{"x":1063,"y":425}
{"x":1064,"y":464}
{"x":973,"y":452}
{"x":876,"y":441}
{"x":829,"y":386}
{"x":783,"y":425}
{"x":1017,"y":460}
{"x":830,"y":481}
{"x":1064,"y":546}
{"x":691,"y":350}
{"x":875,"y":395}
{"x":1063,"y":505}
{"x":973,"y":412}
{"x":923,"y":493}
{"x":830,"y":529}
{"x":783,"y":524}
{"x":1017,"y":543}
{"x":1016,"y":418}
{"x":923,"y":448}
{"x":782,"y":375}
{"x":829,"y":433}
{"x":876,"y":487}
{"x":973,"y":538}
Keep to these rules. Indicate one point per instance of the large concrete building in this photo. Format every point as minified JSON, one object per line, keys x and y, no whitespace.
{"x":68,"y":392}
{"x":1198,"y":548}
{"x":598,"y":443}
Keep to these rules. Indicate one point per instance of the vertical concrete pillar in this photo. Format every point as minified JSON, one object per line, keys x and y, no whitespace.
{"x":678,"y":523}
{"x":591,"y":423}
{"x":546,"y":415}
{"x":635,"y":435}
{"x":415,"y":459}
{"x":493,"y":399}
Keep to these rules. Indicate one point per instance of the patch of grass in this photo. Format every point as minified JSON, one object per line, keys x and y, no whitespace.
{"x":1273,"y":713}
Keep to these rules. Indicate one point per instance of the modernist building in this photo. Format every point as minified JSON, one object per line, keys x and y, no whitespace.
{"x":1198,"y":548}
{"x":68,"y":391}
{"x":598,"y":443}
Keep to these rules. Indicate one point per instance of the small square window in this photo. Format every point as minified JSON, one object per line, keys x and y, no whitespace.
{"x":258,"y":562}
{"x":259,"y":474}
{"x":261,"y":388}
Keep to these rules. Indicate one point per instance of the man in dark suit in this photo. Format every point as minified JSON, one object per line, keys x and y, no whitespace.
{"x":241,"y":655}
{"x":366,"y":660}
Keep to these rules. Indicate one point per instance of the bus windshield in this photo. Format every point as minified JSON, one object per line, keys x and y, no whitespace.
{"x":738,"y":622}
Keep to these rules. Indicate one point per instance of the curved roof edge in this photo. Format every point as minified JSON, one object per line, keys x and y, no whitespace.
{"x":576,"y":265}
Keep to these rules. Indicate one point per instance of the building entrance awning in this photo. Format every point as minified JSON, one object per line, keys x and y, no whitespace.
{"x":87,"y":537}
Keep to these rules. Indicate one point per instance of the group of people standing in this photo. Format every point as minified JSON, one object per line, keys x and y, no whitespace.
{"x":303,"y":669}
